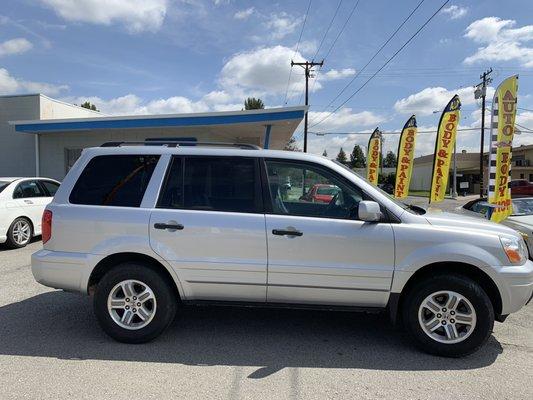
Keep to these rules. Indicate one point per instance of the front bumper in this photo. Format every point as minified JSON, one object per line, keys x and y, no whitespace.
{"x":61,"y":270}
{"x":516,"y":286}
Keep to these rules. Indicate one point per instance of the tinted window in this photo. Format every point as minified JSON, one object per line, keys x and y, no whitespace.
{"x":50,"y":187}
{"x":172,"y":193}
{"x":211,"y":183}
{"x":115,"y":180}
{"x":28,"y":189}
{"x":3,"y":185}
{"x":301,"y":197}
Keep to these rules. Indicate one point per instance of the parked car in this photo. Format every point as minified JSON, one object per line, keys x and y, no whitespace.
{"x":320,"y":193}
{"x":521,"y":219}
{"x":521,"y":187}
{"x":22,"y":202}
{"x":145,"y":229}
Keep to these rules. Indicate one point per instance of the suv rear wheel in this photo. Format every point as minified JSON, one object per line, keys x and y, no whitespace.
{"x":448,"y":315}
{"x":133,"y":303}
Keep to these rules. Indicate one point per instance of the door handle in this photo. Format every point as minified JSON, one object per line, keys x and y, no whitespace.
{"x":285,"y":232}
{"x":160,"y":225}
{"x":28,"y":201}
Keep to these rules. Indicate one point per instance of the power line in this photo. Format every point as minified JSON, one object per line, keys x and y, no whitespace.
{"x":385,"y":133}
{"x":327,"y":30}
{"x":384,"y":65}
{"x":296,"y":50}
{"x":342,"y":29}
{"x":524,"y":109}
{"x":319,"y":47}
{"x":375,"y":54}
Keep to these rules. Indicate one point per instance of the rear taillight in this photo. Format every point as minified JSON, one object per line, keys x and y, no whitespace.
{"x":46,"y":225}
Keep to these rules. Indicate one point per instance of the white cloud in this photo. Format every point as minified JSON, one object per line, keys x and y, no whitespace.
{"x":435,"y":99}
{"x":15,"y":46}
{"x":12,"y":85}
{"x":135,"y":15}
{"x":263,"y":71}
{"x":333,"y":74}
{"x":281,"y":25}
{"x":308,"y":47}
{"x":345,"y":120}
{"x":500,"y":41}
{"x":455,"y":12}
{"x":244,"y":14}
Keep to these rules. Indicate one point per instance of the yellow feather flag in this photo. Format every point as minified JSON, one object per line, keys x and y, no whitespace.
{"x":501,"y":145}
{"x":373,"y":155}
{"x":406,"y":151}
{"x":446,"y":136}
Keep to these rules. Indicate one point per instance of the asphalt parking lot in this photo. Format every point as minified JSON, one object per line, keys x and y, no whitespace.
{"x":51,"y":347}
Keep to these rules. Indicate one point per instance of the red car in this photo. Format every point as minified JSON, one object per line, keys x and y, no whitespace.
{"x":521,"y":187}
{"x":320,"y":193}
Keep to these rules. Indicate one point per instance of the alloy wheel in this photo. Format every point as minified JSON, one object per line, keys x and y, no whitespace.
{"x":447,"y":317}
{"x":21,"y":232}
{"x":131,"y":304}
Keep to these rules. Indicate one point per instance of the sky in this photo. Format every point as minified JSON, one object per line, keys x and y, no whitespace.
{"x":182,"y":56}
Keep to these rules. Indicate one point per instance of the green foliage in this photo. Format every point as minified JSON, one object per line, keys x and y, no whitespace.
{"x":89,"y":106}
{"x":357,"y":158}
{"x":291,"y":145}
{"x":341,"y":157}
{"x":390,"y":160}
{"x":251,"y":103}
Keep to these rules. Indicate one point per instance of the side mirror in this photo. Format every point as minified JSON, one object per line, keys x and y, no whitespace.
{"x":369,"y":211}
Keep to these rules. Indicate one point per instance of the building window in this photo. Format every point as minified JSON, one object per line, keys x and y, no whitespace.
{"x":531,"y":177}
{"x":521,"y":176}
{"x":71,"y":156}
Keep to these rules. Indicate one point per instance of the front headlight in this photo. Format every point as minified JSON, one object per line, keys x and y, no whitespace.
{"x":515,"y":249}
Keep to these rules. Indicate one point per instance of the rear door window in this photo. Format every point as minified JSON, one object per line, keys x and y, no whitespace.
{"x":28,"y":189}
{"x":114,"y":180}
{"x":212,"y":184}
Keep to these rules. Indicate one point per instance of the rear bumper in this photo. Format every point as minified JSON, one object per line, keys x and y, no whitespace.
{"x":61,"y":270}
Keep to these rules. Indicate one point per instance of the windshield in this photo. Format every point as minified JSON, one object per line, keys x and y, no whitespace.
{"x":523,"y":206}
{"x":327,"y":190}
{"x":3,"y":185}
{"x":411,"y":208}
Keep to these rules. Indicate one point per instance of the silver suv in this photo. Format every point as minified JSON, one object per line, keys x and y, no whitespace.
{"x":147,"y":229}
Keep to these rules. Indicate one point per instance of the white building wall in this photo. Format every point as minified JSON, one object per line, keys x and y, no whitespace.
{"x":55,"y":109}
{"x":17,"y":150}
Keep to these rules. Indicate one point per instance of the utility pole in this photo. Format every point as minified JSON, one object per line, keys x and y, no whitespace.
{"x":307,"y":66}
{"x":480,"y":93}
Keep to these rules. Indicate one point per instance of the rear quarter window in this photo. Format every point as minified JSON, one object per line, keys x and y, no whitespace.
{"x":114,"y":180}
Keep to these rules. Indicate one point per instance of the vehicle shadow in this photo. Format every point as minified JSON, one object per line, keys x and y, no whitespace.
{"x":62,"y":325}
{"x":4,"y":247}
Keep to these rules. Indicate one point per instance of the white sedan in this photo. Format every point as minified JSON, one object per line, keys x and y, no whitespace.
{"x":22,"y":202}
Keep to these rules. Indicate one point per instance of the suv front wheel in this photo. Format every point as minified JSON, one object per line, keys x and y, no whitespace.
{"x":133,"y":303}
{"x":448,"y":315}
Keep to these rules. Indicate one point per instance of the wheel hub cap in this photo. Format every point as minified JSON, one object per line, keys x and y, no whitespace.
{"x":132,"y":304}
{"x":21,"y":232}
{"x":447,"y":317}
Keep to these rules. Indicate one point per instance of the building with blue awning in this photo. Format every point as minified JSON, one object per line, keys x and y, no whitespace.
{"x":61,"y":131}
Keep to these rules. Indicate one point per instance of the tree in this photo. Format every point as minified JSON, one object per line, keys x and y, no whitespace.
{"x":390,"y":160}
{"x":341,"y":157}
{"x":325,"y":153}
{"x":251,"y":103}
{"x":291,"y":145}
{"x":357,"y":158}
{"x":89,"y":106}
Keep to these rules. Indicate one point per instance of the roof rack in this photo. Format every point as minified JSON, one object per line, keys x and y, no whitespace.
{"x":184,"y":143}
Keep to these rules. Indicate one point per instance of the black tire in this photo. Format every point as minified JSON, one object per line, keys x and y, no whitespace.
{"x":163,"y":292}
{"x":11,"y":242}
{"x":465,"y":287}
